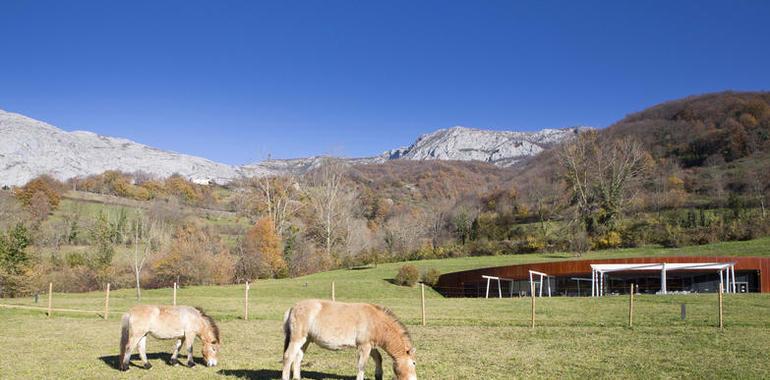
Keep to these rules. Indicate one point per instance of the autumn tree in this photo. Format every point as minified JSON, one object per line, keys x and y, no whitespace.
{"x":260,"y":254}
{"x":39,"y":207}
{"x":278,"y":198}
{"x":195,"y":256}
{"x":41,"y":188}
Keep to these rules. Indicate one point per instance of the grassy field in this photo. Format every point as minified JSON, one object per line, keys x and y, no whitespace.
{"x":464,"y":338}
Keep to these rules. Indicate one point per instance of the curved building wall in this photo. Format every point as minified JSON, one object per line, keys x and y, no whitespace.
{"x":752,"y":275}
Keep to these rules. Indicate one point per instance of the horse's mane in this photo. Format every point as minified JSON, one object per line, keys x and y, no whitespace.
{"x":211,"y":322}
{"x":392,"y":316}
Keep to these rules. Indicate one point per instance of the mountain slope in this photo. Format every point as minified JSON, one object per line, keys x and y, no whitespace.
{"x":30,"y":148}
{"x":716,"y":140}
{"x":502,"y":148}
{"x":702,"y":130}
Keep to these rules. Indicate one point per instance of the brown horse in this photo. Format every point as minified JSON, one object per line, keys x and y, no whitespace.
{"x":337,"y":325}
{"x":182,"y":323}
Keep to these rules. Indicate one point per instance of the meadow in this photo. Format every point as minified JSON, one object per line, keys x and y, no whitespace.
{"x":463,"y":339}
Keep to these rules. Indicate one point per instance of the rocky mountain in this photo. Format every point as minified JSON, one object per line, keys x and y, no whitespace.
{"x":502,"y":148}
{"x":29,"y":148}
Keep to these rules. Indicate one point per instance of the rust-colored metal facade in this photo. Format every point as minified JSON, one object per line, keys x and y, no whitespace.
{"x":582,"y":268}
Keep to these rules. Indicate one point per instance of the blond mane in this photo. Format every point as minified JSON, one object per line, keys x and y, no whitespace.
{"x":395,"y":321}
{"x":211,"y":322}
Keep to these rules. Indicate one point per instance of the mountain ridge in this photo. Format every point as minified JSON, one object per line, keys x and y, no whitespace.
{"x":32,"y":147}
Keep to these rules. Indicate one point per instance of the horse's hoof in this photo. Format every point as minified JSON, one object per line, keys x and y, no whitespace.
{"x":147,"y":365}
{"x":191,"y":364}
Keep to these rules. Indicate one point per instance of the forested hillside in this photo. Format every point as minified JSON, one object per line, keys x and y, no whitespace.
{"x":686,"y":172}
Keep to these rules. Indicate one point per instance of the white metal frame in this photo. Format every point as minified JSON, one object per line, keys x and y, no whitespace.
{"x":499,"y":285}
{"x":542,"y":276}
{"x":599,"y":273}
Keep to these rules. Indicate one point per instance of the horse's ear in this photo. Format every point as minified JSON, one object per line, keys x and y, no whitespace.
{"x":411,"y":351}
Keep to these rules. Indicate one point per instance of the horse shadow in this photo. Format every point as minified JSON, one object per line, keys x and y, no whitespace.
{"x":269,"y":374}
{"x":114,"y":360}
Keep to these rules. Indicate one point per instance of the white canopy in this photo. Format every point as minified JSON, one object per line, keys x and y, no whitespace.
{"x":531,"y":280}
{"x":599,"y":271}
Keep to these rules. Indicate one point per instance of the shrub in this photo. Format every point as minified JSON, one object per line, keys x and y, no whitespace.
{"x":609,"y":240}
{"x":408,"y":275}
{"x":672,"y":237}
{"x":482,"y":248}
{"x":430,"y":277}
{"x":531,"y":244}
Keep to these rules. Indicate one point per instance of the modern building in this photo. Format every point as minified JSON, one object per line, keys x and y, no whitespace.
{"x":651,"y":275}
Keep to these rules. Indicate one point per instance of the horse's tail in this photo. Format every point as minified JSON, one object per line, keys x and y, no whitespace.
{"x":124,"y":324}
{"x":286,"y":329}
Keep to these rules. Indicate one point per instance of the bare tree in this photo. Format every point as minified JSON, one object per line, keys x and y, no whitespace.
{"x":403,"y":232}
{"x":278,"y":199}
{"x":601,"y":175}
{"x":331,"y":202}
{"x":758,"y":183}
{"x":11,"y":211}
{"x":145,"y":233}
{"x":437,"y":219}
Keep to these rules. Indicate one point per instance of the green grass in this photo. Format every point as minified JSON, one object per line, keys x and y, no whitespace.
{"x":464,"y":338}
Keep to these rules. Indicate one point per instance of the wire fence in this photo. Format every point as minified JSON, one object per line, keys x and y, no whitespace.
{"x":446,"y":311}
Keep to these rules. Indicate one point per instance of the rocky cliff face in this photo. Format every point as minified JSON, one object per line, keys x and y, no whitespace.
{"x":502,"y":148}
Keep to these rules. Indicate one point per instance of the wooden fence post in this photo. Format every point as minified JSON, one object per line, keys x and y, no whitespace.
{"x":532,"y":293}
{"x":422,"y":296}
{"x":50,"y":294}
{"x":246,"y":303}
{"x":721,"y":321}
{"x":174,"y":301}
{"x":333,"y":295}
{"x":631,"y":307}
{"x":107,"y":302}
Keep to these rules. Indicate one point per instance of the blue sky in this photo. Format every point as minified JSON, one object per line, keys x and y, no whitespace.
{"x":234,"y":81}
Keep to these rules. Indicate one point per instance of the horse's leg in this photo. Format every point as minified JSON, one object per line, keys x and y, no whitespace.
{"x":143,"y":352}
{"x":298,"y":360}
{"x":126,"y":359}
{"x":175,"y":355}
{"x":363,"y":355}
{"x":377,"y":364}
{"x":189,"y":338}
{"x":290,"y":355}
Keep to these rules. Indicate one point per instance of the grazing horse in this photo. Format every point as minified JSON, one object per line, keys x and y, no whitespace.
{"x":337,"y":325}
{"x":182,"y":323}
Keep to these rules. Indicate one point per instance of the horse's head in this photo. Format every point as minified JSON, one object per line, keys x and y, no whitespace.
{"x":210,"y":337}
{"x":405,"y":367}
{"x":210,"y":350}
